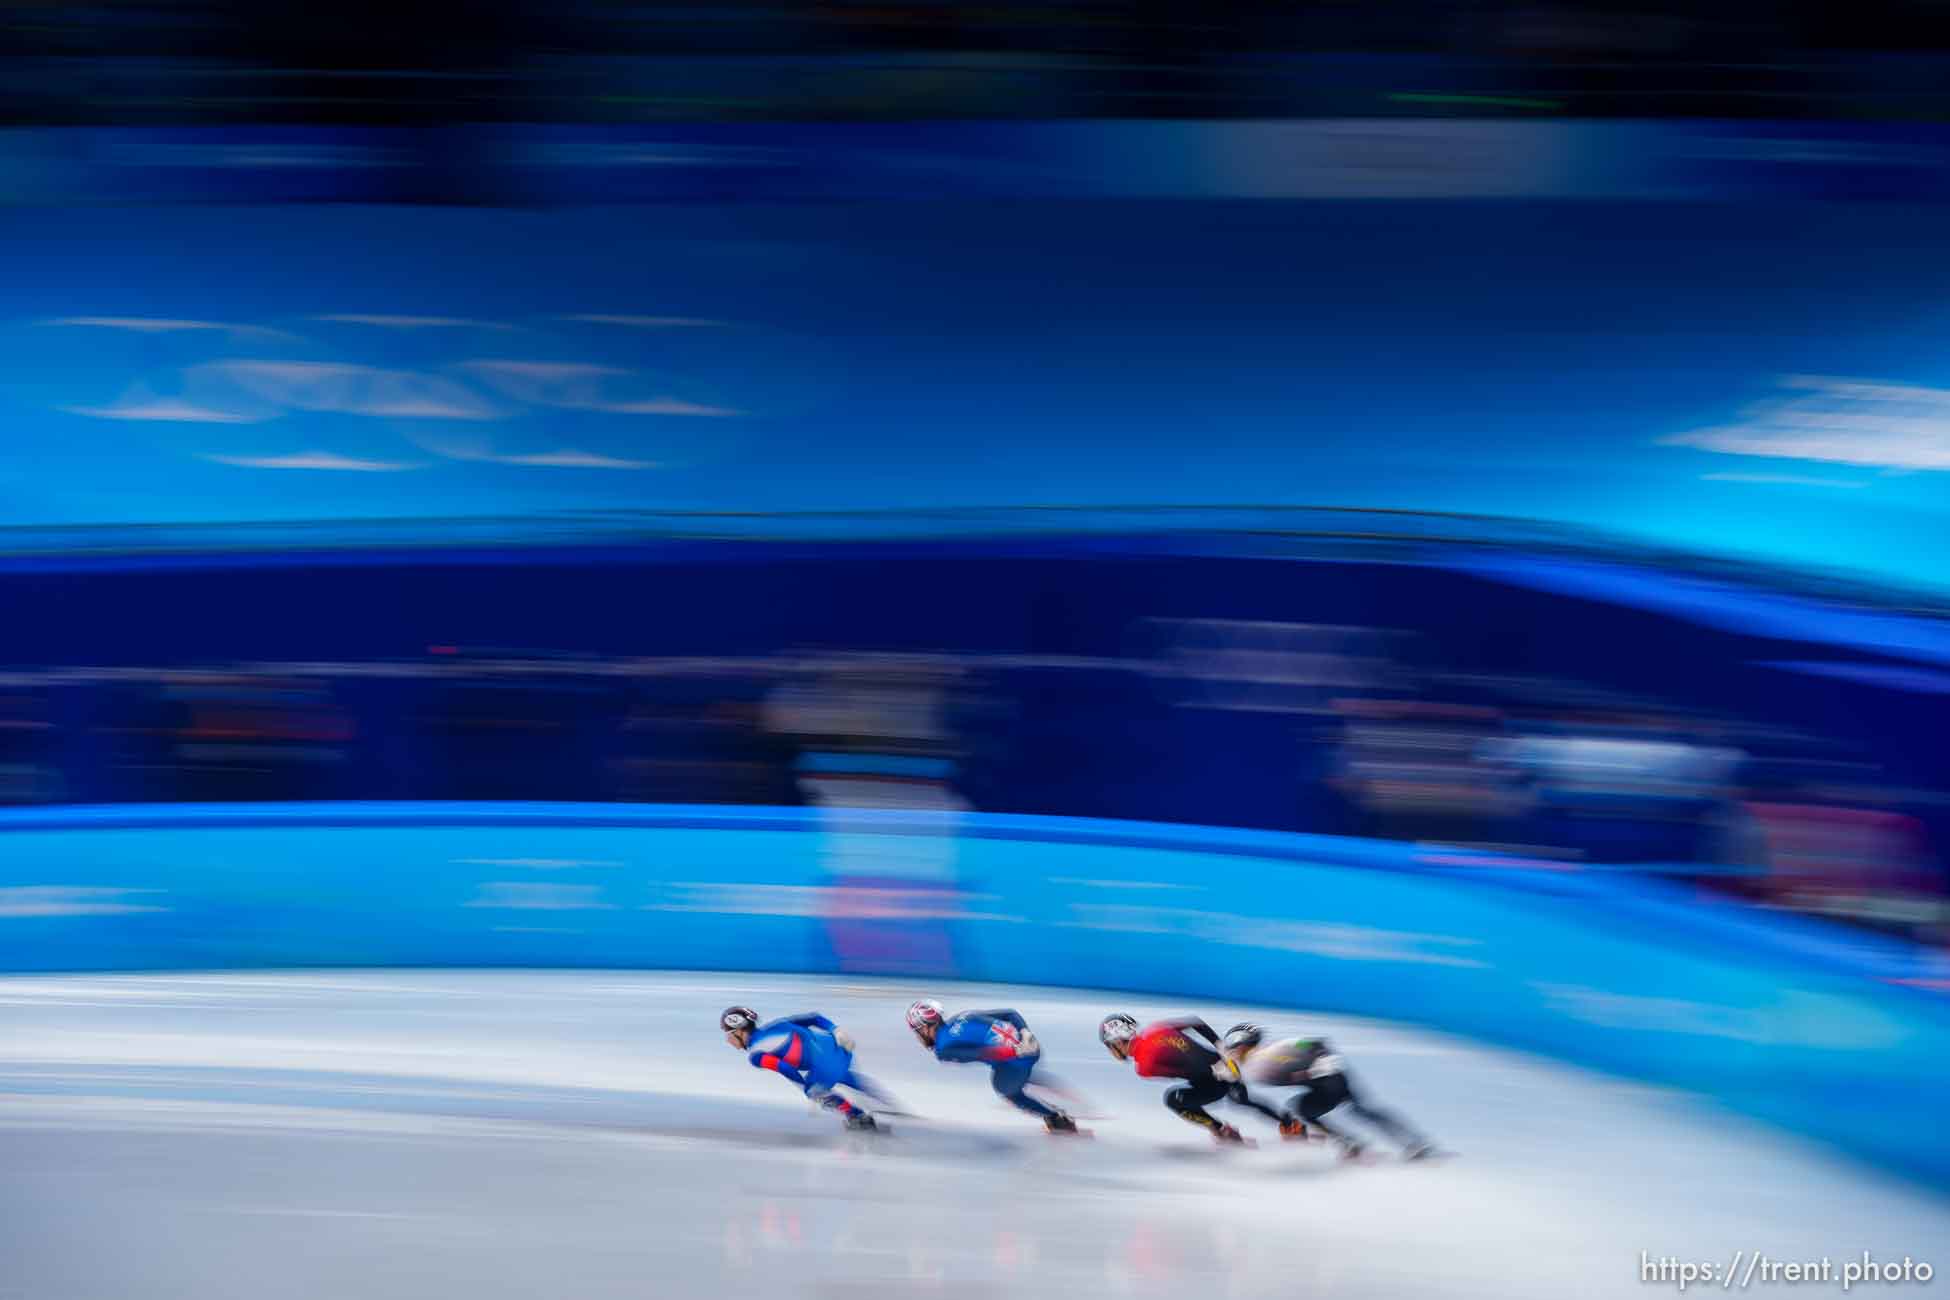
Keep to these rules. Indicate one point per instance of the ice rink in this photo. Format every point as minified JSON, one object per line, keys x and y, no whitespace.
{"x":524,"y":1135}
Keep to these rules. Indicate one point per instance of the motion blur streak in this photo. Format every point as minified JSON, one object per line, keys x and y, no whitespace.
{"x":1421,"y":519}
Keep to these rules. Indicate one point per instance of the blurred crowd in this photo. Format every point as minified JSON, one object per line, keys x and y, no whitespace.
{"x":131,"y":61}
{"x":1285,"y":728}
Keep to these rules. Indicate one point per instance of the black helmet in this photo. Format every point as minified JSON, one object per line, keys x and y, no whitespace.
{"x":1243,"y":1037}
{"x":738,"y":1020}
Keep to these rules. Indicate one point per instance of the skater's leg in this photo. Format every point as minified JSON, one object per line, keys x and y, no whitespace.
{"x":827,"y":1099}
{"x":1240,"y":1095}
{"x":862,"y":1084}
{"x":1311,"y":1107}
{"x":1009,"y":1079}
{"x":1189,"y":1100}
{"x":1387,"y":1121}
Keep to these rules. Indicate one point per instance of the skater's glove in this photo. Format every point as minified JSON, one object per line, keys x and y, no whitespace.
{"x":1225,"y":1070}
{"x":844,"y":1039}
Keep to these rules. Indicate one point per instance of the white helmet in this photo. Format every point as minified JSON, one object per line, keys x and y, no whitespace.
{"x":1117,"y":1031}
{"x":738,"y":1024}
{"x":925,"y":1015}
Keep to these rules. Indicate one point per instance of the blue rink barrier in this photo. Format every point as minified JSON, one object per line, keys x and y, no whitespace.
{"x":1820,"y":1030}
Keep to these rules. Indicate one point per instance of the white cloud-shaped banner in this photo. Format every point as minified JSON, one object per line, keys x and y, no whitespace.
{"x":325,"y":460}
{"x":1839,"y":421}
{"x":351,"y":389}
{"x":579,"y":386}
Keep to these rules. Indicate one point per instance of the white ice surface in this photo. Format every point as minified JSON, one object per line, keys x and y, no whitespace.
{"x":416,"y":1134}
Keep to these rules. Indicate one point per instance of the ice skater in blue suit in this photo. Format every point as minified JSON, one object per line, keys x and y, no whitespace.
{"x":811,"y":1051}
{"x":997,"y":1039}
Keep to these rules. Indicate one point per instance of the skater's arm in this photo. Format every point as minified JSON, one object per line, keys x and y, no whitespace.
{"x":813,"y":1020}
{"x":961,"y":1050}
{"x":783,"y":1051}
{"x":772,"y":1061}
{"x":1193,"y":1025}
{"x":972,"y":1038}
{"x":1009,"y":1035}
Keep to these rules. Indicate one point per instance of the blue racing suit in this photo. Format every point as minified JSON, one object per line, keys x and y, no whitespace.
{"x":1001,"y":1041}
{"x":810,"y":1050}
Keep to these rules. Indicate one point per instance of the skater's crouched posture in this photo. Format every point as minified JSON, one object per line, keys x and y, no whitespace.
{"x":1170,"y":1049}
{"x":998,"y":1039}
{"x":807,"y":1049}
{"x":1320,"y":1073}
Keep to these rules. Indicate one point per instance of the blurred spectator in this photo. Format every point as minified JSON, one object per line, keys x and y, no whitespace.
{"x":237,"y":737}
{"x":708,"y":744}
{"x":1416,"y":770}
{"x":1840,"y":850}
{"x":29,"y":755}
{"x":873,"y":732}
{"x":500,"y":726}
{"x":1620,"y":788}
